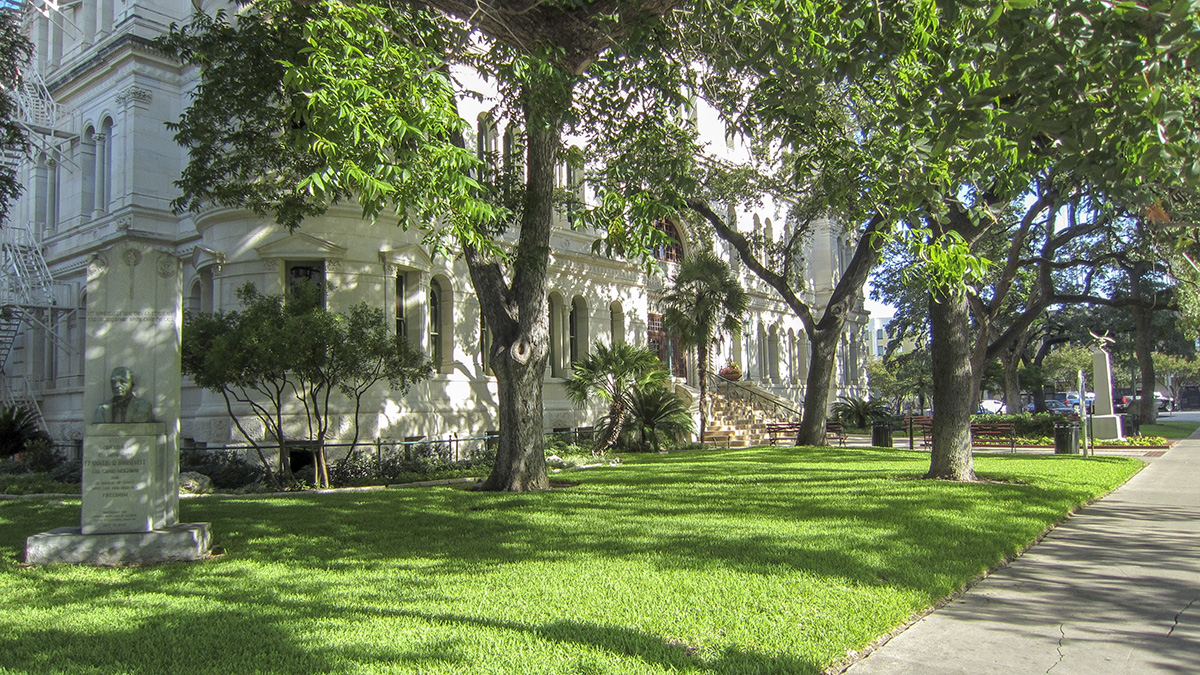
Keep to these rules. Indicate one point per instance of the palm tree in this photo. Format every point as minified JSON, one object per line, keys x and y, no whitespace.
{"x":705,"y":300}
{"x":859,"y":412}
{"x":657,"y":410}
{"x":18,"y":426}
{"x":612,"y":374}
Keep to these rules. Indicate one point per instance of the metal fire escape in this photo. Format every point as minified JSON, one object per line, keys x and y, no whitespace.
{"x":26,"y":286}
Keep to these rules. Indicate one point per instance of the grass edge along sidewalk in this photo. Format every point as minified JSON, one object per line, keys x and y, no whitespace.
{"x":777,"y":560}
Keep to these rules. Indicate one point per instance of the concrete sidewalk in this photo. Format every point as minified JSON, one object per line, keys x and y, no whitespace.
{"x":1114,"y":589}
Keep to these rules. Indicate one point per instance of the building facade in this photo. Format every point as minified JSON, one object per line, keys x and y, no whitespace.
{"x":97,"y":101}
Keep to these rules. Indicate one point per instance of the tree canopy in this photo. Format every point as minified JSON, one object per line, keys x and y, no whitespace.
{"x":15,"y":50}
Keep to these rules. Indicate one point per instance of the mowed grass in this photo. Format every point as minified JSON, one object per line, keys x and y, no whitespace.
{"x":768,"y":560}
{"x":1169,"y":428}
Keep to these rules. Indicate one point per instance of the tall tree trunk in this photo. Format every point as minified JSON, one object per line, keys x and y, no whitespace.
{"x":1011,"y":360}
{"x":517,"y":315}
{"x":950,"y":342}
{"x":816,"y":392}
{"x":823,"y":334}
{"x":1143,"y":348}
{"x":702,"y":358}
{"x":617,"y":414}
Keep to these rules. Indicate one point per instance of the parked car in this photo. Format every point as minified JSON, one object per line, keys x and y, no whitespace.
{"x":1073,"y":401}
{"x":1054,"y":408}
{"x":1161,"y":401}
{"x":992,"y":406}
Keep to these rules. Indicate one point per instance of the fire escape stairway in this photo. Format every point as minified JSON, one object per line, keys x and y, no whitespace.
{"x":25,"y":287}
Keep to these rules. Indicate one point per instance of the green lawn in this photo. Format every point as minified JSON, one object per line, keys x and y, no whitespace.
{"x":1169,"y":428}
{"x":769,"y":560}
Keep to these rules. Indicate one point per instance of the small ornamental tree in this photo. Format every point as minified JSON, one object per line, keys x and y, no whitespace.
{"x":283,"y":351}
{"x":657,"y":410}
{"x":613,"y":375}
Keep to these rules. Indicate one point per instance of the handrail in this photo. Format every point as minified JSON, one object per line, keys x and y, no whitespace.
{"x":741,"y":391}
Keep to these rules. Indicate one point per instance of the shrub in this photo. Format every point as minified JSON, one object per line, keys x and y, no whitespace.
{"x":1025,"y":425}
{"x":408,"y":464}
{"x":69,"y":471}
{"x":35,"y":483}
{"x":860,"y":413}
{"x":228,"y":469}
{"x":18,"y":427}
{"x":658,"y":412}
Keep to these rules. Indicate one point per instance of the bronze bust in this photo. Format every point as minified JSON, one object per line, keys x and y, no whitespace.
{"x":124,"y":407}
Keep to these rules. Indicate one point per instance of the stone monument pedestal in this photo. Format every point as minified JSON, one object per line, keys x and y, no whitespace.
{"x":130,"y":493}
{"x":130,"y":508}
{"x":181,"y":542}
{"x":1106,"y":427}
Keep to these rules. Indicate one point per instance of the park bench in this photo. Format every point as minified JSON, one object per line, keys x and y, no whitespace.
{"x":835,"y":431}
{"x":788,"y":431}
{"x":782,"y":430}
{"x":994,"y":434}
{"x":920,"y":426}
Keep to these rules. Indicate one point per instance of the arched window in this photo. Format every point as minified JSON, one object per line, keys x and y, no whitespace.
{"x":672,"y":250}
{"x":485,"y":347}
{"x":578,"y":330}
{"x":485,"y":141}
{"x":762,"y":352}
{"x":402,"y":290}
{"x":616,"y":323}
{"x":440,"y":338}
{"x":803,"y":357}
{"x":773,"y":356}
{"x":557,"y":343}
{"x":104,"y":165}
{"x":793,"y":358}
{"x":193,"y":298}
{"x":87,"y":162}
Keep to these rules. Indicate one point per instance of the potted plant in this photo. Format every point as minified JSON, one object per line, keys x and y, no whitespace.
{"x":731,"y":370}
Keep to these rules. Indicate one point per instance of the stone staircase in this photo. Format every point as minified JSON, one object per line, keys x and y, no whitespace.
{"x":739,"y":422}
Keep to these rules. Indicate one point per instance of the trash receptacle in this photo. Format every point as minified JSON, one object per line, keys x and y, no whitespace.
{"x":1066,"y":438}
{"x":881,"y":435}
{"x":1131,"y":425}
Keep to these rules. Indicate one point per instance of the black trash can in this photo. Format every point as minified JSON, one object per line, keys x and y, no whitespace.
{"x":1066,"y":438}
{"x":881,"y":435}
{"x":1131,"y":425}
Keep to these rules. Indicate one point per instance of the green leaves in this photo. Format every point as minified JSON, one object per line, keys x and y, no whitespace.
{"x":944,"y":263}
{"x":304,"y":105}
{"x":704,"y":298}
{"x":15,"y":50}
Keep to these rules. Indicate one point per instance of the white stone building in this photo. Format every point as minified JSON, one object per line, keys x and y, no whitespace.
{"x":102,"y":172}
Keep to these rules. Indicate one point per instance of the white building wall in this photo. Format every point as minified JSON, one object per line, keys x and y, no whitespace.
{"x":100,"y":66}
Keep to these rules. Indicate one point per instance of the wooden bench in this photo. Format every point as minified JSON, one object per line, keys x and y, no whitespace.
{"x":835,"y":431}
{"x":788,"y":430}
{"x":784,"y":430}
{"x":994,"y":434}
{"x":922,"y":426}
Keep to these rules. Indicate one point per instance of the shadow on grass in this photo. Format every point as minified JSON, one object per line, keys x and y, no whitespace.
{"x":850,"y":518}
{"x":671,"y":655}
